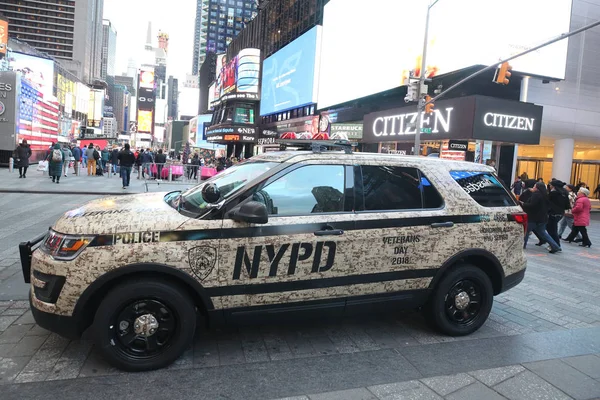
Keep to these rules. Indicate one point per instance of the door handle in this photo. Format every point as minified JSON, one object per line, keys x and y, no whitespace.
{"x":449,"y":224}
{"x":329,"y":231}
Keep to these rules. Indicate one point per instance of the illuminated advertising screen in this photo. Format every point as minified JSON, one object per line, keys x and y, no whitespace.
{"x":211,"y":94}
{"x":144,"y":124}
{"x":462,"y":33}
{"x":3,"y":35}
{"x":146,"y":99}
{"x":39,"y":71}
{"x":146,"y":79}
{"x":248,"y":71}
{"x":290,"y":76}
{"x":237,"y":78}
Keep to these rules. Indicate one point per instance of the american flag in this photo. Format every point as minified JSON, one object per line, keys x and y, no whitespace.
{"x":38,"y":118}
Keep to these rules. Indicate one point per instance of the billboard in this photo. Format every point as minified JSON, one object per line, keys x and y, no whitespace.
{"x":146,"y":99}
{"x":144,"y":122}
{"x":237,"y":78}
{"x":248,"y":71}
{"x":39,"y":71}
{"x":3,"y":35}
{"x":9,"y":109}
{"x":462,"y":33}
{"x":96,"y":108}
{"x":290,"y":76}
{"x":146,"y":79}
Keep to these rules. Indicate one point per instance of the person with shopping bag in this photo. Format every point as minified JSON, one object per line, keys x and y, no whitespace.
{"x":56,"y":159}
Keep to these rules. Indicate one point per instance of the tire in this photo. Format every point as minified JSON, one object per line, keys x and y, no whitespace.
{"x":174,"y":317}
{"x":445,"y":314}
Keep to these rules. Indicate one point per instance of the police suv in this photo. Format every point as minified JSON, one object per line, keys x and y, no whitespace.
{"x":304,"y":232}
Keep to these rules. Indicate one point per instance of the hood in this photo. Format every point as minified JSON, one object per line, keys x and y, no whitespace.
{"x":117,"y":214}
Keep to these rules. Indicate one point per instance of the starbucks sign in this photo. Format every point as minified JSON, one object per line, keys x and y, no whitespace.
{"x":353,"y":131}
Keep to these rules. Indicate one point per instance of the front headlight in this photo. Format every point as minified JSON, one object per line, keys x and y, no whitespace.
{"x":65,"y":247}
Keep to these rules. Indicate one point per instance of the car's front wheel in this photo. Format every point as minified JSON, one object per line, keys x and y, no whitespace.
{"x":144,"y":325}
{"x":461,"y":301}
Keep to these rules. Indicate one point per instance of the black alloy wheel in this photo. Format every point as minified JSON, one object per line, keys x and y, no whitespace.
{"x":462,"y":301}
{"x":144,"y":325}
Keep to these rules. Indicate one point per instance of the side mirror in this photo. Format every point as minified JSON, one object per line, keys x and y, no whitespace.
{"x":211,"y":193}
{"x":252,"y":212}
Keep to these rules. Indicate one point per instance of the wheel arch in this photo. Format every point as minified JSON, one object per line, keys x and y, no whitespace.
{"x":481,"y":259}
{"x":90,"y":299}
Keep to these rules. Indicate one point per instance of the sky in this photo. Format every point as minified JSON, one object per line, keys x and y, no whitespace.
{"x":175,"y":17}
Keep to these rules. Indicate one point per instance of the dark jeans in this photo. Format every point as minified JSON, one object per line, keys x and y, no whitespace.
{"x":584,"y":235}
{"x":552,"y":227}
{"x":539,"y":228}
{"x":159,"y":168}
{"x":23,"y":171}
{"x":126,"y":175}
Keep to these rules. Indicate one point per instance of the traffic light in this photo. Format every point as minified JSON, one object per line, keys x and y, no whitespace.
{"x":428,"y":107}
{"x":503,"y":73}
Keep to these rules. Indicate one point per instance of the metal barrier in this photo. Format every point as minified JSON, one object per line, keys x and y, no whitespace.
{"x":174,"y":174}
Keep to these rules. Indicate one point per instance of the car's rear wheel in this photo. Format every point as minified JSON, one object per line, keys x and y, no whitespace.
{"x":144,"y":325}
{"x":461,"y":301}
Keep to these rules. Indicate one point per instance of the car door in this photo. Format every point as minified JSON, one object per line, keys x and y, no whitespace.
{"x":302,"y":255}
{"x":400,"y":217}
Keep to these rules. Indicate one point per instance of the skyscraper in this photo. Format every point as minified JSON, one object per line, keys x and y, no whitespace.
{"x":68,"y":30}
{"x":217,"y":23}
{"x":109,"y":50}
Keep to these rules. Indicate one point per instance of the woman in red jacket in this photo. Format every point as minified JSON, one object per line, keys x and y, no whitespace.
{"x":581,"y":215}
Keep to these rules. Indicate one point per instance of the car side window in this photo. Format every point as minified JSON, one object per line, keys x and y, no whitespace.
{"x":311,"y":189}
{"x":397,"y":188}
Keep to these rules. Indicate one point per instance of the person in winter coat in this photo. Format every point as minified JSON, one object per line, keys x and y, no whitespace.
{"x":193,"y":170}
{"x":567,"y":220}
{"x":56,"y":159}
{"x":105,"y":157}
{"x":114,"y":159}
{"x":76,"y":151}
{"x":67,"y":157}
{"x":517,"y":187}
{"x":597,"y":191}
{"x":91,"y":161}
{"x":537,"y":208}
{"x":559,"y":202}
{"x":21,"y":156}
{"x":161,"y":160}
{"x":581,"y":217}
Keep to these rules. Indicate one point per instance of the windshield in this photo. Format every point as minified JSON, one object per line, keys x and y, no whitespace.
{"x":228,"y":181}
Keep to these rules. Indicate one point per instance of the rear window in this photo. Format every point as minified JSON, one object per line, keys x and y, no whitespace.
{"x":484,"y":187}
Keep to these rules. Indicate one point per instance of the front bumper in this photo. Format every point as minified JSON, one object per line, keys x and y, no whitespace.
{"x":63,"y":325}
{"x":26,"y":250}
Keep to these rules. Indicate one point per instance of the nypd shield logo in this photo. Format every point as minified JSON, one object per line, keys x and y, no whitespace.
{"x":202,"y":260}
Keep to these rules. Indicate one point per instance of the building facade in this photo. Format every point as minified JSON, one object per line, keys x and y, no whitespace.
{"x":217,"y":23}
{"x":68,"y":30}
{"x":109,"y":50}
{"x":172,"y":98}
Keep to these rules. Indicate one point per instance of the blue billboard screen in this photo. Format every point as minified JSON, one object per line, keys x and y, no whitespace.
{"x":289,"y":75}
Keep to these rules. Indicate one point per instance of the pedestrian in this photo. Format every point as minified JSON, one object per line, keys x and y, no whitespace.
{"x":84,"y":157}
{"x":524,"y":176}
{"x":21,"y":156}
{"x":56,"y":159}
{"x":193,"y":171}
{"x":597,"y":191}
{"x":517,"y":187}
{"x":91,"y":161}
{"x":581,"y":217}
{"x":537,"y":208}
{"x":126,"y":160}
{"x":567,"y":220}
{"x":161,"y":160}
{"x":559,"y":203}
{"x":76,"y":158}
{"x":105,"y":157}
{"x":114,"y":159}
{"x":147,"y":161}
{"x":67,"y":158}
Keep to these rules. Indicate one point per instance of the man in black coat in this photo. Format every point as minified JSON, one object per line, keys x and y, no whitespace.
{"x":161,"y":160}
{"x":537,"y":208}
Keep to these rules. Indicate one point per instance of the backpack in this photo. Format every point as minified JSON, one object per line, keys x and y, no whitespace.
{"x":96,"y":155}
{"x":57,"y":155}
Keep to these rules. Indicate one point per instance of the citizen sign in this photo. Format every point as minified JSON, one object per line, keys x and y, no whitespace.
{"x":406,"y":124}
{"x":508,"y":121}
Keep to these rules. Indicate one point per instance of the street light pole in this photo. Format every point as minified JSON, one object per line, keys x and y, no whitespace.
{"x":422,"y":77}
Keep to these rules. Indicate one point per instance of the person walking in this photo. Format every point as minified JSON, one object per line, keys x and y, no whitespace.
{"x":161,"y":160}
{"x":105,"y":158}
{"x":537,"y":208}
{"x":114,"y":159}
{"x":147,"y":161}
{"x":91,"y":161}
{"x":559,"y":203}
{"x":76,"y":151}
{"x":21,"y":156}
{"x":567,"y":220}
{"x":126,"y":160}
{"x":195,"y":164}
{"x":56,"y":159}
{"x":517,"y":187}
{"x":67,"y":158}
{"x":581,"y":217}
{"x":597,"y":191}
{"x":84,"y":156}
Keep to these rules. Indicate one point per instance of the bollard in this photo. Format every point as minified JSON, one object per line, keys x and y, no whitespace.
{"x":108,"y":168}
{"x":170,"y":174}
{"x":11,"y":164}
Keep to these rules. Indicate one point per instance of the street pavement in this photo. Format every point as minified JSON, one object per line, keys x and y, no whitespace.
{"x":542,"y":340}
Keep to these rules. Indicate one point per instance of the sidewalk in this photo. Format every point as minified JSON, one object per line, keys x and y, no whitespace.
{"x":109,"y":184}
{"x":563,"y":378}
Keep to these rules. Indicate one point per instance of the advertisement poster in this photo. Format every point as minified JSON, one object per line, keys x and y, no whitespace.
{"x":228,"y":75}
{"x":219,"y":76}
{"x":344,"y":76}
{"x":248,"y":70}
{"x":39,"y":71}
{"x":146,"y":79}
{"x":193,"y":131}
{"x":290,"y":76}
{"x":144,"y":124}
{"x":3,"y":36}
